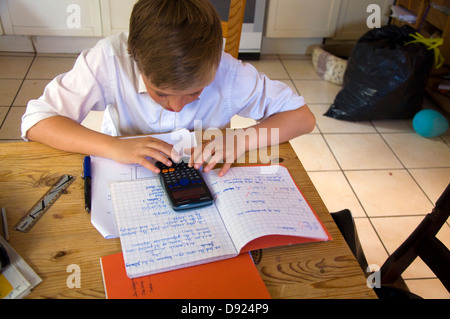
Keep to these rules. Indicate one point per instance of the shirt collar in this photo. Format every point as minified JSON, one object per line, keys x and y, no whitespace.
{"x":141,"y":87}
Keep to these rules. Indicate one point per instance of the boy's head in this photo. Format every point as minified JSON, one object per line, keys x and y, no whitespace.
{"x":177,"y":44}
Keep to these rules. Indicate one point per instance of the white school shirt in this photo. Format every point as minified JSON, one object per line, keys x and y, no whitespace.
{"x":106,"y":78}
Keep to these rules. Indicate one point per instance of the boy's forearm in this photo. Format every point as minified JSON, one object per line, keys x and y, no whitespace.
{"x":278,"y":128}
{"x":282,"y":127}
{"x":67,"y":135}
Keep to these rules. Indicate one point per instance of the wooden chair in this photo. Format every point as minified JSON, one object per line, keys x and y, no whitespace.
{"x":424,"y":244}
{"x":232,"y":28}
{"x":421,"y":243}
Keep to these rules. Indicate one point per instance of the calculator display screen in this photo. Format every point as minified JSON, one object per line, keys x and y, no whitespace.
{"x":184,"y":186}
{"x":190,"y":192}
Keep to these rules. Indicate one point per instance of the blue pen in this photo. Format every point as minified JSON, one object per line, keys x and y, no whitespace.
{"x":87,"y":183}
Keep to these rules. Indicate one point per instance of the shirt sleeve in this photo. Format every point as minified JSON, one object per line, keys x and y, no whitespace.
{"x":258,"y":97}
{"x":73,"y":94}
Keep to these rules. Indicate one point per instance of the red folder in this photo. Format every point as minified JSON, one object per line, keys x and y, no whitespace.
{"x":234,"y":278}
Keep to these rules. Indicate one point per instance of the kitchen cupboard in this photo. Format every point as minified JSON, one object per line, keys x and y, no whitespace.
{"x":50,"y":17}
{"x":302,"y":18}
{"x":353,"y":14}
{"x":336,"y":19}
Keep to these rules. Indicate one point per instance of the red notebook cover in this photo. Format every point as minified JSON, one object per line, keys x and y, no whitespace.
{"x":234,"y":278}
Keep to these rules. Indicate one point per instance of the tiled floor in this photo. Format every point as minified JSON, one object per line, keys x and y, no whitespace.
{"x":386,"y":174}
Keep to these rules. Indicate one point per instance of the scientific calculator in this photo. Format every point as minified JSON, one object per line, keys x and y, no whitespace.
{"x":184,"y":186}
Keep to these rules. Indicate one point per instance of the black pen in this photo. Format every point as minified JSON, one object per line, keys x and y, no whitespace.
{"x":87,"y":183}
{"x":4,"y":224}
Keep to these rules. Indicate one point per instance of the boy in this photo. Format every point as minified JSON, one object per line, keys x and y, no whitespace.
{"x":168,"y":72}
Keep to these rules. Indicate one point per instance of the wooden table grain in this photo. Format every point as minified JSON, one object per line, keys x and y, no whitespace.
{"x":64,"y":236}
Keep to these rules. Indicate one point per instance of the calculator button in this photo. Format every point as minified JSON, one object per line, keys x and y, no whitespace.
{"x":184,"y":181}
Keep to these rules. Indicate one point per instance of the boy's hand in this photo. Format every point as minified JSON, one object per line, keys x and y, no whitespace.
{"x":217,"y":151}
{"x":137,"y":150}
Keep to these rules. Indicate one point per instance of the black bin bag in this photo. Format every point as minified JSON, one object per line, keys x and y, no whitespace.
{"x":384,"y":79}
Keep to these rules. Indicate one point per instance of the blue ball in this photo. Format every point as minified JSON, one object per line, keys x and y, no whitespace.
{"x":430,"y":123}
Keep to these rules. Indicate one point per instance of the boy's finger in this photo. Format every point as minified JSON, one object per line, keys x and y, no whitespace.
{"x":203,"y":155}
{"x":148,"y":165}
{"x":196,"y":158}
{"x":155,"y":154}
{"x":162,"y":147}
{"x":174,"y":155}
{"x":224,"y":169}
{"x":161,"y":158}
{"x":210,"y":166}
{"x":161,"y":151}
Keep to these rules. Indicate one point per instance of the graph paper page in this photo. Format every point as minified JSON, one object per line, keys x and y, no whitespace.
{"x":105,"y":170}
{"x":255,"y":201}
{"x":155,"y":238}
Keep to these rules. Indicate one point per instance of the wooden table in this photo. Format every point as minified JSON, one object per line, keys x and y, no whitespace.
{"x":65,"y":235}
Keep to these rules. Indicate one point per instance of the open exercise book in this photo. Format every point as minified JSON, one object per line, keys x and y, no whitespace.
{"x":252,"y":204}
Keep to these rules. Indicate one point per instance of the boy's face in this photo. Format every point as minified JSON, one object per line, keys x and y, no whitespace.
{"x":171,"y":100}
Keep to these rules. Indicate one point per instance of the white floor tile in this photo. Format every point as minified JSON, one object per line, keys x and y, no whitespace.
{"x":388,"y":193}
{"x":241,"y":122}
{"x":371,"y":244}
{"x":3,"y":112}
{"x":31,"y":89}
{"x":361,"y":151}
{"x":395,"y":230}
{"x":320,"y":92}
{"x":433,"y":181}
{"x":8,"y":90}
{"x":301,"y":70}
{"x":330,"y":125}
{"x":428,"y":288}
{"x":12,"y":67}
{"x":416,"y":151}
{"x":336,"y":193}
{"x":271,"y":67}
{"x":94,"y":121}
{"x":49,"y":67}
{"x":393,"y":126}
{"x":11,"y":127}
{"x":314,"y":153}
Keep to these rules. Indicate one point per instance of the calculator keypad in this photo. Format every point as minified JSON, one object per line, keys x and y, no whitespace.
{"x":179,"y":175}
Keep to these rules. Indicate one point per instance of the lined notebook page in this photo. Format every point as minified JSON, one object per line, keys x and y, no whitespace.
{"x":155,"y":238}
{"x":263,"y":200}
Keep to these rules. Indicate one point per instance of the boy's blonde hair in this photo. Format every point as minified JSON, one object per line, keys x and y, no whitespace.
{"x":177,"y":44}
